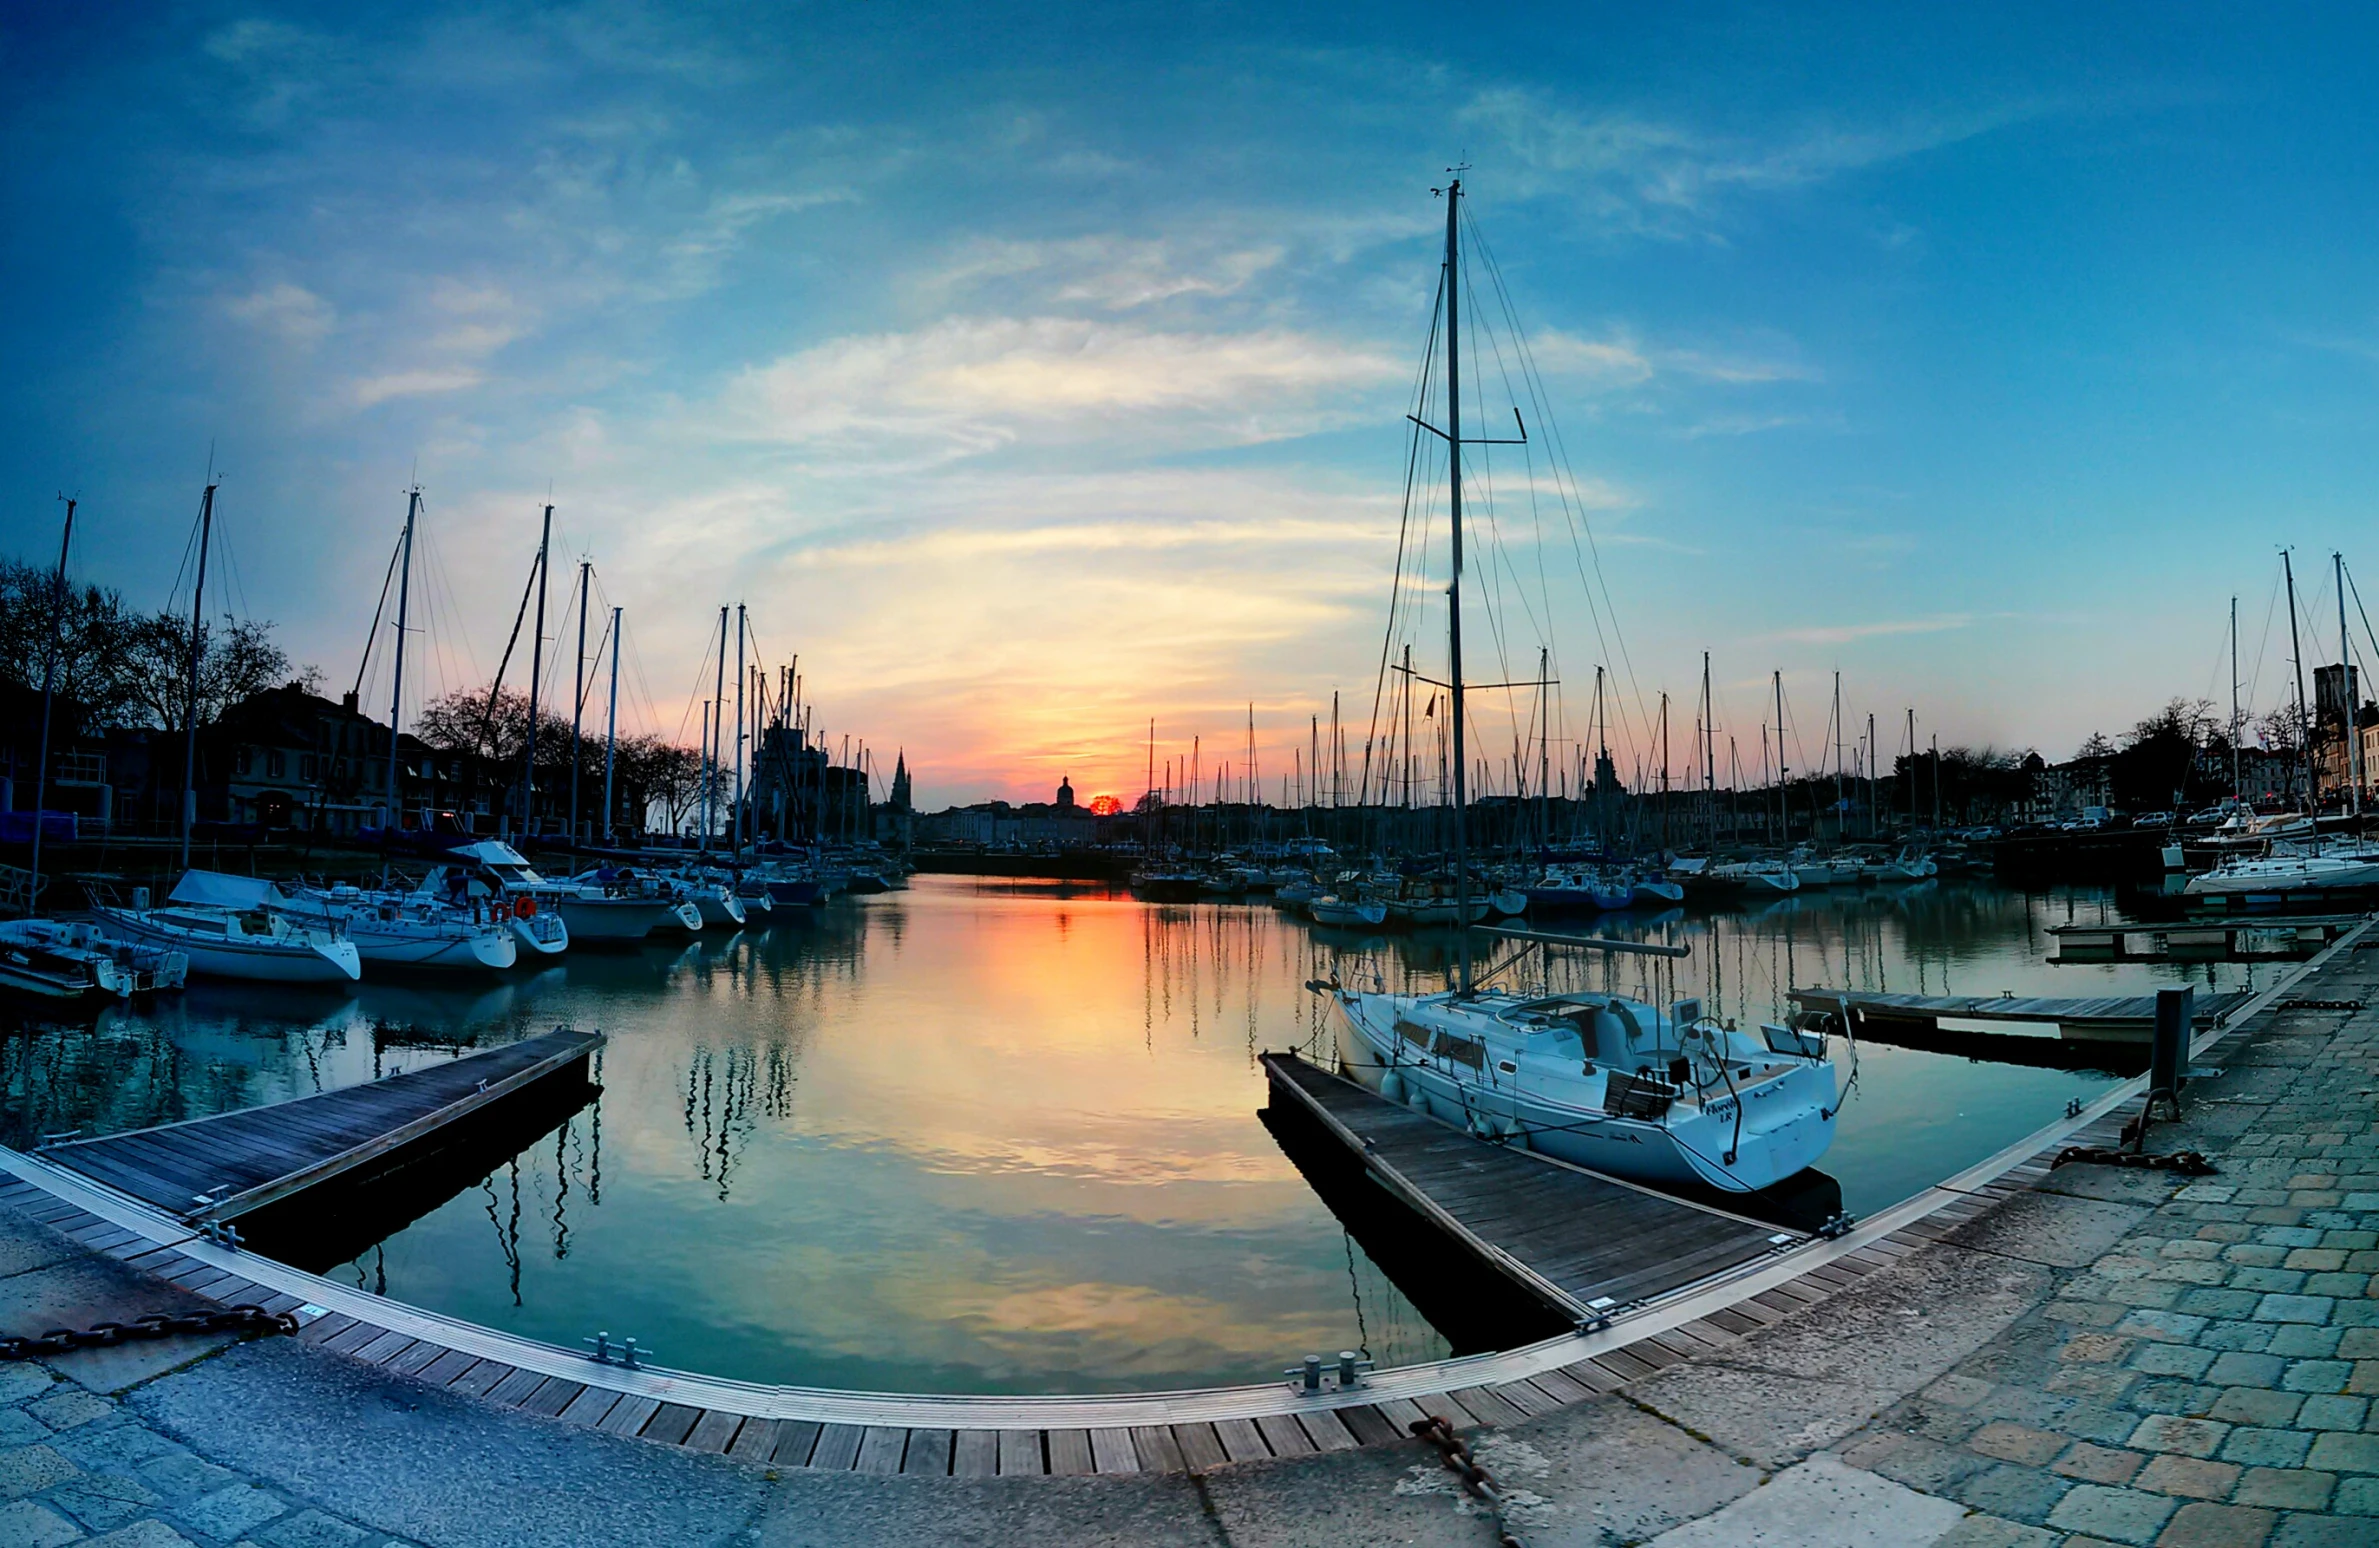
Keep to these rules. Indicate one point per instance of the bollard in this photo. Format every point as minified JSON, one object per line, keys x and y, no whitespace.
{"x":2168,"y":1054}
{"x":1313,"y":1373}
{"x":1351,"y":1367}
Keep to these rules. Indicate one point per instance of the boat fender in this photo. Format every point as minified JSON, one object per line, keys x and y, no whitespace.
{"x":1391,"y":1086}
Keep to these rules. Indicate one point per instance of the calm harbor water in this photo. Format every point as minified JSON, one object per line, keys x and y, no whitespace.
{"x":998,"y":1137}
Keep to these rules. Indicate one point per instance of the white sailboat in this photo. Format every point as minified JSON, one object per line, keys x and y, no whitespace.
{"x":408,"y":929}
{"x":1596,"y":1079}
{"x":493,"y":869}
{"x":58,"y":961}
{"x":228,"y":928}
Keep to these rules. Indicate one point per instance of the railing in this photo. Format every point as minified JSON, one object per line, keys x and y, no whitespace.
{"x":18,"y":895}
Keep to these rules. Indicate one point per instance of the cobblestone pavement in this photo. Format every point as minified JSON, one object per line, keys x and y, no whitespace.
{"x":2116,"y":1357}
{"x":2211,"y":1379}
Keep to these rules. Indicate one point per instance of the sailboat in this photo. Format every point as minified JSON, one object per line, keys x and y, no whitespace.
{"x":228,"y":927}
{"x":1671,"y":1097}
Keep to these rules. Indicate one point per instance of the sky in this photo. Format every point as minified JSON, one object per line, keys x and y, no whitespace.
{"x":1035,"y":372}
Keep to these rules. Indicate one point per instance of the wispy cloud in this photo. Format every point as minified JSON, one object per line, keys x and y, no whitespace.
{"x":1843,"y":634}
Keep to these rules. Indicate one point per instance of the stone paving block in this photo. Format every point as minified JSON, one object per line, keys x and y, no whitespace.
{"x":102,"y":1502}
{"x":143,"y":1534}
{"x":2097,"y":1464}
{"x":2106,"y":1383}
{"x":2301,"y":1341}
{"x":2316,"y":1376}
{"x":2205,"y":1301}
{"x":2192,"y":1476}
{"x":2267,"y":1448}
{"x":2335,"y":1452}
{"x":1957,"y":1391}
{"x":18,"y":1428}
{"x":2295,"y":1308}
{"x":2016,"y":1443}
{"x":2118,"y":1515}
{"x":2285,"y":1488}
{"x":2157,"y":1395}
{"x":2017,"y":1493}
{"x":232,"y":1512}
{"x":2316,"y":1259}
{"x":65,"y":1410}
{"x":20,"y":1381}
{"x":2342,"y":1285}
{"x":1920,"y":1464}
{"x":2334,"y":1413}
{"x":2171,"y":1360}
{"x":30,"y":1469}
{"x":313,"y":1529}
{"x":2272,"y":1280}
{"x":25,"y":1524}
{"x":2255,"y":1255}
{"x":115,"y":1448}
{"x":2236,"y":1333}
{"x":182,"y":1476}
{"x":2236,"y":1368}
{"x":2298,"y":1531}
{"x":2171,"y":1326}
{"x":2358,"y":1344}
{"x":2099,"y":1347}
{"x":2357,"y":1497}
{"x":2171,"y":1432}
{"x":2203,"y":1525}
{"x":1991,"y":1532}
{"x":2101,"y":1422}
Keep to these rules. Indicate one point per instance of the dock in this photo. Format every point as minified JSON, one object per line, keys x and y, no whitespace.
{"x":1585,"y":1244}
{"x":2234,"y":938}
{"x":213,"y":1170}
{"x":2119,"y":1018}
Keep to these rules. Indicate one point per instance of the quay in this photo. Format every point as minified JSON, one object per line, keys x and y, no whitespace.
{"x":2022,"y":1356}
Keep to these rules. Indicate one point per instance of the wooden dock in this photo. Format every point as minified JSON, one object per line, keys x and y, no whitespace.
{"x":2204,"y":939}
{"x":1586,"y":1244}
{"x":217,"y":1169}
{"x":2120,"y":1018}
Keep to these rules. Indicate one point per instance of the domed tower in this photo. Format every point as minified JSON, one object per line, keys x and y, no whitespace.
{"x":1065,"y":793}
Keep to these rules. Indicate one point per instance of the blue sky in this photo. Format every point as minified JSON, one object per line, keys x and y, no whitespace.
{"x":1036,"y":370}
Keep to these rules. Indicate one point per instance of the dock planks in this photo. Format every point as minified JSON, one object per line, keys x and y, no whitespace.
{"x":263,"y":1154}
{"x":2119,"y":1016}
{"x":1586,"y":1243}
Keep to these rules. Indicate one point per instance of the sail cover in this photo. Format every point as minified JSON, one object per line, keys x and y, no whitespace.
{"x":216,"y":889}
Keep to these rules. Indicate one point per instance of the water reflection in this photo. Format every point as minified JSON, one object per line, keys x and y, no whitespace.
{"x":994,"y":1136}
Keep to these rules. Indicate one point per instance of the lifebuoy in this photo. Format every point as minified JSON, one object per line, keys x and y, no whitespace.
{"x":525,"y":907}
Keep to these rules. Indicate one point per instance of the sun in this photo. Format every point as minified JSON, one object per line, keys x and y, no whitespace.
{"x":1105,"y":806}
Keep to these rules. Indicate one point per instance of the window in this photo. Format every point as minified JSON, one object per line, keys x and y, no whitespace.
{"x":245,"y":761}
{"x":305,"y":765}
{"x":275,"y":764}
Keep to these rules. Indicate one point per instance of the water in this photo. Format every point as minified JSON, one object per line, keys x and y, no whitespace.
{"x":995,"y":1137}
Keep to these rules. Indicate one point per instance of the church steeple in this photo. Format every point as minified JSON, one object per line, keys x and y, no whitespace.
{"x":900,"y":781}
{"x":1065,"y":793}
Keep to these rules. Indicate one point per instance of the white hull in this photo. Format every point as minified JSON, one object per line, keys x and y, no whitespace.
{"x":259,"y":961}
{"x":617,"y":919}
{"x":542,"y":935}
{"x":1787,"y":1121}
{"x":2312,"y":874}
{"x":481,"y":949}
{"x":1334,"y":911}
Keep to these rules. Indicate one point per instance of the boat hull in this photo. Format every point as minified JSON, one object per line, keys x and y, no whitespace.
{"x":618,"y":919}
{"x":272,"y":962}
{"x":1332,"y":911}
{"x":482,"y":950}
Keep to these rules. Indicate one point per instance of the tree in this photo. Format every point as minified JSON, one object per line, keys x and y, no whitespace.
{"x":237,"y":658}
{"x":90,"y":637}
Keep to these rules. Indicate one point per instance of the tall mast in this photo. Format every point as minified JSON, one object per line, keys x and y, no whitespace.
{"x":2296,"y":651}
{"x":2237,"y":783}
{"x":1874,"y":790}
{"x":1709,"y":754}
{"x":206,"y":536}
{"x":396,"y":691}
{"x":1912,"y":766}
{"x":1454,"y":580}
{"x":2346,"y":687}
{"x":1841,"y":802}
{"x":1784,"y":816}
{"x":49,"y":688}
{"x":528,"y":772}
{"x":1544,"y":744}
{"x":718,"y":707}
{"x":578,"y":696}
{"x":736,"y":812}
{"x":611,"y":727}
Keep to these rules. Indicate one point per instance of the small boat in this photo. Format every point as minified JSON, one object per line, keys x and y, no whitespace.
{"x":1580,"y":888}
{"x":1603,"y":1081}
{"x":492,"y":869}
{"x":1815,"y":870}
{"x":228,"y":928}
{"x":2339,"y":869}
{"x":407,"y":929}
{"x":713,"y":895}
{"x":1913,"y":864}
{"x":58,"y":961}
{"x":1296,"y":894}
{"x":1507,"y":902}
{"x":1655,"y":892}
{"x":1172,"y":885}
{"x":680,"y":911}
{"x":1347,"y":911}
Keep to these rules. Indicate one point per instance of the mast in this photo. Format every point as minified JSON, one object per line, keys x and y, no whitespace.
{"x":2346,"y":689}
{"x":2237,"y":782}
{"x":2296,"y":651}
{"x":1544,"y":744}
{"x":528,"y":773}
{"x":718,"y":707}
{"x":49,"y":687}
{"x":1454,"y":580}
{"x":578,"y":696}
{"x":1841,"y":798}
{"x":1912,"y":766}
{"x":1874,"y":789}
{"x":611,"y":725}
{"x":1709,"y":755}
{"x":396,"y":692}
{"x":736,"y":811}
{"x":206,"y":535}
{"x":1784,"y":816}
